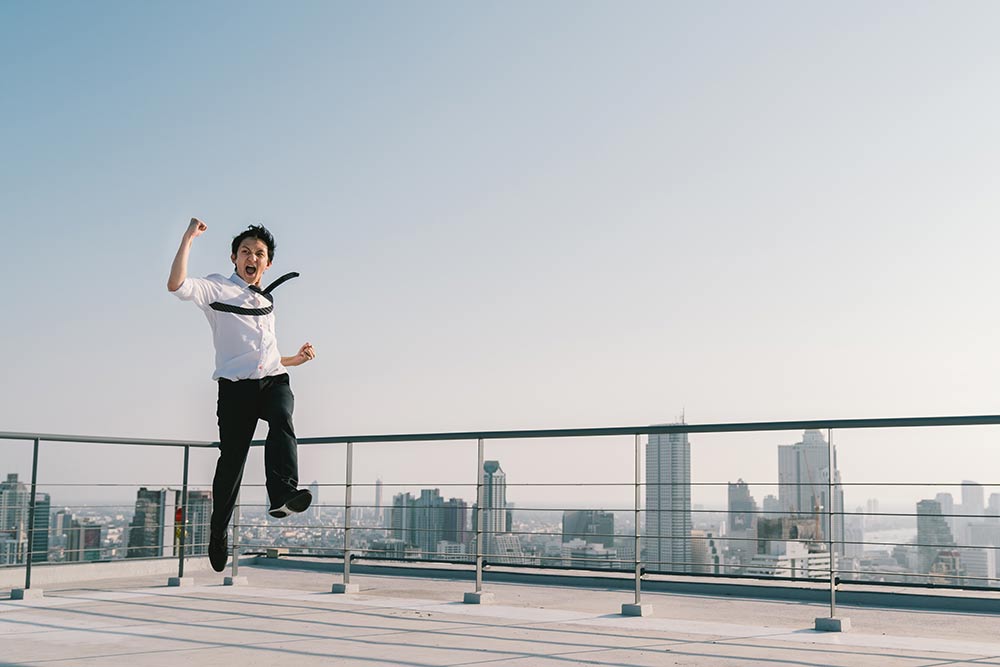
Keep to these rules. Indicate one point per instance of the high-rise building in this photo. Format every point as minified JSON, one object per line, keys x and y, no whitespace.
{"x":428,"y":511}
{"x":803,"y":484}
{"x":591,"y":526}
{"x":379,"y":513}
{"x":854,"y":534}
{"x":933,"y":533}
{"x":83,"y":541}
{"x":771,"y":505}
{"x":15,"y":513}
{"x":993,"y":508}
{"x":199,"y":518}
{"x":60,"y":526}
{"x":40,"y":538}
{"x":981,"y":566}
{"x":15,"y":499}
{"x":742,"y":507}
{"x":401,"y":519}
{"x":973,"y":502}
{"x":456,"y":521}
{"x":316,"y":510}
{"x":494,"y":508}
{"x":667,"y":538}
{"x":151,"y":533}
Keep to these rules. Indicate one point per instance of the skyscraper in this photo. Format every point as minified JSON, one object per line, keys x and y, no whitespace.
{"x":742,"y":507}
{"x":83,"y":541}
{"x":199,"y":516}
{"x":14,"y":506}
{"x":379,"y":514}
{"x":456,"y":520}
{"x":401,"y":518}
{"x":973,"y":506}
{"x":667,"y":540}
{"x":973,"y":499}
{"x":40,"y":539}
{"x":496,"y":516}
{"x":151,"y":532}
{"x":803,"y":490}
{"x":993,"y":508}
{"x":947,"y":503}
{"x":315,"y":509}
{"x":428,"y":512}
{"x":933,"y":534}
{"x":494,"y":508}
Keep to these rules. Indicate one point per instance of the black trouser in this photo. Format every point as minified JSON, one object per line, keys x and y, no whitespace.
{"x":241,"y":404}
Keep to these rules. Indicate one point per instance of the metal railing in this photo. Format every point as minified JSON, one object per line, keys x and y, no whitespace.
{"x":824,"y":541}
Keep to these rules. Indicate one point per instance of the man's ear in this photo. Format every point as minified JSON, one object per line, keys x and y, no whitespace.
{"x":232,"y":258}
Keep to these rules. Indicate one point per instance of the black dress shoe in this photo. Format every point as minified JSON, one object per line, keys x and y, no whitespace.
{"x":297,"y":502}
{"x":218,"y":552}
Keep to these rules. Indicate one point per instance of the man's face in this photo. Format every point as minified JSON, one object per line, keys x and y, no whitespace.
{"x":251,"y":260}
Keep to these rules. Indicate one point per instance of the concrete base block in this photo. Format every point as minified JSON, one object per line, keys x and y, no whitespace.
{"x":235,"y":581}
{"x":479,"y":598}
{"x":26,"y":594}
{"x":637,"y":610}
{"x":180,"y":581}
{"x":833,"y":624}
{"x":345,"y":588}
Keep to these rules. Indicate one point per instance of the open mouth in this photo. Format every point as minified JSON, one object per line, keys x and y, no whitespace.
{"x":250,"y":271}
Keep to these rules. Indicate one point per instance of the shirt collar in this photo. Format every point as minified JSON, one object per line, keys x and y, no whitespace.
{"x":242,"y":283}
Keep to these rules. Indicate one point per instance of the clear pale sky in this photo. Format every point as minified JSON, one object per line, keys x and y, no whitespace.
{"x":509,"y":215}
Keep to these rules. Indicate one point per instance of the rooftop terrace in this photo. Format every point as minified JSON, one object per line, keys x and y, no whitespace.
{"x":284,"y":614}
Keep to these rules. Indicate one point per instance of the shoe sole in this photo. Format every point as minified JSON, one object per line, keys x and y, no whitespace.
{"x":297,"y":503}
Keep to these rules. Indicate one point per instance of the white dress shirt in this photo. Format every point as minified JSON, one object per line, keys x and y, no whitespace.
{"x":245,"y":345}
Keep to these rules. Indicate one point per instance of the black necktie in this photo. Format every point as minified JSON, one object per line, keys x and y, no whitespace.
{"x":266,"y":292}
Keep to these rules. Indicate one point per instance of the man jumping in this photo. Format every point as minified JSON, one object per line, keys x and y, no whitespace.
{"x":253,"y":382}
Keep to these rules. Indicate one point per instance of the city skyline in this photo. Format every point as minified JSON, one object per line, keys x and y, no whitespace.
{"x":745,"y":541}
{"x":510,"y":216}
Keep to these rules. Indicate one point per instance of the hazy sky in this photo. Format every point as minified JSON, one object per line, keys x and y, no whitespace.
{"x":509,"y":215}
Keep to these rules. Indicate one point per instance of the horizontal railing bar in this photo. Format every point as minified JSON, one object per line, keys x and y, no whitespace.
{"x":104,"y":440}
{"x":735,"y":427}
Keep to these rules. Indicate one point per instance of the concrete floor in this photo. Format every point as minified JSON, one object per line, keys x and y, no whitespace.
{"x":285,"y":616}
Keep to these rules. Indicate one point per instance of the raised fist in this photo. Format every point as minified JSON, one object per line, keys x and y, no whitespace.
{"x":196,"y":228}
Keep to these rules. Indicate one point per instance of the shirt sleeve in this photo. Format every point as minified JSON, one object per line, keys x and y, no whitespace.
{"x":200,"y":290}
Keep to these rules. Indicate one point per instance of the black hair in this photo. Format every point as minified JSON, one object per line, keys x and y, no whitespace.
{"x":256,"y":232}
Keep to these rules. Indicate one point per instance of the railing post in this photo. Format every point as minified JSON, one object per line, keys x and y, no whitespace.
{"x":637,"y":608}
{"x":234,"y":579}
{"x":831,"y":624}
{"x":184,"y":513}
{"x":479,"y":597}
{"x":829,"y":524}
{"x":28,"y":592}
{"x":31,"y":516}
{"x":347,"y":586}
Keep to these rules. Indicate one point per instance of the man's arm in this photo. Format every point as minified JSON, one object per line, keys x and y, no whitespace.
{"x":178,"y":270}
{"x":306,"y":353}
